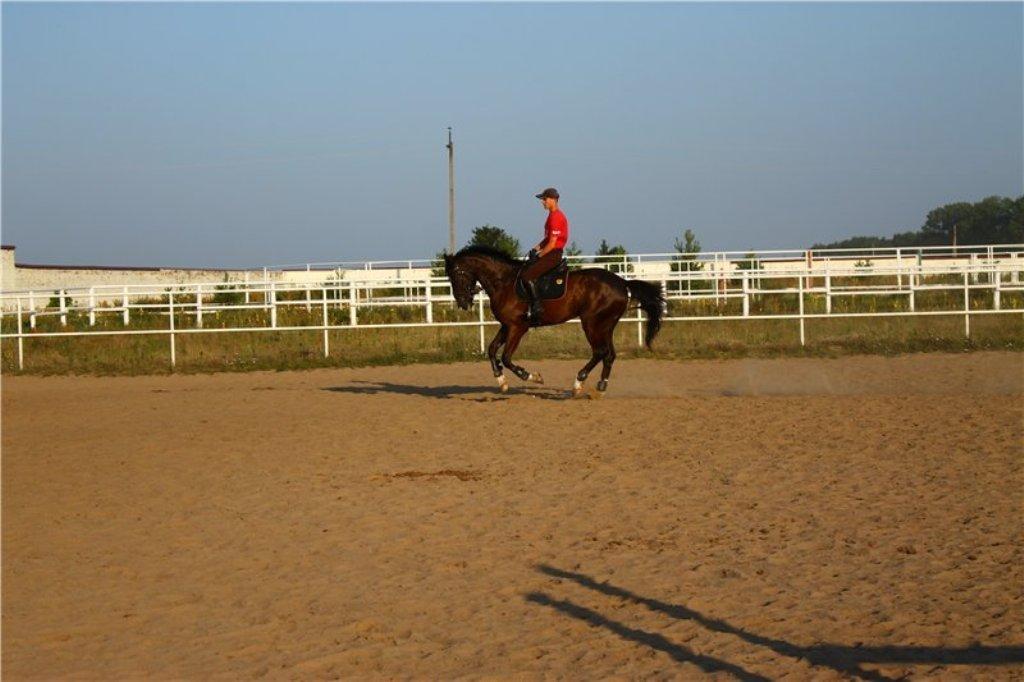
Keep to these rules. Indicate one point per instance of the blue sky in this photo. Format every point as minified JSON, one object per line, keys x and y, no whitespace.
{"x":247,"y":134}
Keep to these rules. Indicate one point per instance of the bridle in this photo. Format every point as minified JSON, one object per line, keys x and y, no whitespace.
{"x":458,"y":272}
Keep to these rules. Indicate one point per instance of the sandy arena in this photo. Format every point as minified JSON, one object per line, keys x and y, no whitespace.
{"x":858,"y":517}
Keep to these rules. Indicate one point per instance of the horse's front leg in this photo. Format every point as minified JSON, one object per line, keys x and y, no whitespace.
{"x":515,"y":335}
{"x":492,"y":355}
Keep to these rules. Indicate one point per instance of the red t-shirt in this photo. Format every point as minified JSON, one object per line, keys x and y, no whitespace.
{"x":556,"y":229}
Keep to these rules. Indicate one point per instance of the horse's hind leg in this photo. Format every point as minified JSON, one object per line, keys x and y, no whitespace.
{"x":492,"y":355}
{"x":598,"y":346}
{"x":608,"y":359}
{"x":515,"y":335}
{"x":606,"y":333}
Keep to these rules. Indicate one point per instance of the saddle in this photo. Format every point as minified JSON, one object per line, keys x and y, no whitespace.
{"x":550,"y":285}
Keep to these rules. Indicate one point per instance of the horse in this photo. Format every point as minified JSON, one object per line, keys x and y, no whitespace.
{"x":599,"y":298}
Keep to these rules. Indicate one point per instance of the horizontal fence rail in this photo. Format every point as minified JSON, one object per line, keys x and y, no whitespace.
{"x":725,"y":259}
{"x":993,"y":285}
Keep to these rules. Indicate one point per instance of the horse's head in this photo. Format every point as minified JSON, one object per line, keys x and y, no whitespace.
{"x":463,"y":281}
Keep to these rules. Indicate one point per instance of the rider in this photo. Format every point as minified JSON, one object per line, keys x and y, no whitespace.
{"x":548,"y":251}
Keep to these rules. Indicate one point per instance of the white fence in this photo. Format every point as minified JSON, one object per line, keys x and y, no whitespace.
{"x":335,"y":305}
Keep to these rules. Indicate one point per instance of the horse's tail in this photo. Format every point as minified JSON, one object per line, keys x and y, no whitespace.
{"x":652,"y":301}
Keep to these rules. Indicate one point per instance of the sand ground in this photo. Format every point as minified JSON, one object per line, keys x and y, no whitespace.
{"x":857,"y":517}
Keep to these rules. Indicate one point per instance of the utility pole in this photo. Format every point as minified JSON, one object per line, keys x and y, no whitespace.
{"x":451,"y":193}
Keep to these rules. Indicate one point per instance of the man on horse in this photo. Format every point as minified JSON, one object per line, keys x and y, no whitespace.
{"x":548,"y":251}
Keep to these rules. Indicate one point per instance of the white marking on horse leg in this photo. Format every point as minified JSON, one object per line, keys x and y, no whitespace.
{"x":577,"y":388}
{"x":502,"y":382}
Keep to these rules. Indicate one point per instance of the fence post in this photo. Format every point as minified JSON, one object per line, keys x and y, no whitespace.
{"x":828,"y":293}
{"x":21,"y":340}
{"x":718,"y":281}
{"x":92,"y":306}
{"x":996,"y":284}
{"x":63,"y":309}
{"x":327,"y":347}
{"x":639,"y":328}
{"x":800,"y":286}
{"x":352,"y":319}
{"x":309,"y":294}
{"x":245,"y":279}
{"x":199,"y":306}
{"x":746,"y":295}
{"x":170,"y":307}
{"x":429,"y":296}
{"x":124,"y":314}
{"x":911,"y":282}
{"x":273,"y":304}
{"x":967,"y":306}
{"x":31,"y":310}
{"x":480,"y":308}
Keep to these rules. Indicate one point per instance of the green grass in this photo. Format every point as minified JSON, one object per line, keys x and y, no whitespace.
{"x":126,"y":355}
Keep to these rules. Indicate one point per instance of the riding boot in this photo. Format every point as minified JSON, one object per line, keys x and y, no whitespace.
{"x":533,"y":301}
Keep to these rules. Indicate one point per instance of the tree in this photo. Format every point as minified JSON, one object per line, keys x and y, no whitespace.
{"x":573,"y":251}
{"x":607,"y":250}
{"x":749,"y":262}
{"x":941,"y":222}
{"x":689,"y":244}
{"x":437,"y":265}
{"x":688,"y":248}
{"x":496,"y":238}
{"x":224,"y":295}
{"x":483,"y":235}
{"x":993,"y":220}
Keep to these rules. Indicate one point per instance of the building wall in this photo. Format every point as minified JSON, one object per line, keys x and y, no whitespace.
{"x":49,"y":279}
{"x":8,"y":272}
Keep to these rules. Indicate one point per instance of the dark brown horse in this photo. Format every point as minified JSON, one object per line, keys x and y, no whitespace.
{"x":598,"y":297}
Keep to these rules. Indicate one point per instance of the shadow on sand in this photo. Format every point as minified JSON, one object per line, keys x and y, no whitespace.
{"x":452,"y":392}
{"x":839,"y":657}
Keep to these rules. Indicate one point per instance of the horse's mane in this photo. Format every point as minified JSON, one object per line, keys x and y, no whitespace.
{"x":488,"y":252}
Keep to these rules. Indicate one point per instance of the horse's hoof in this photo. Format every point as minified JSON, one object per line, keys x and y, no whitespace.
{"x":536,"y":379}
{"x":503,"y":384}
{"x":577,"y":388}
{"x":596,"y":395}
